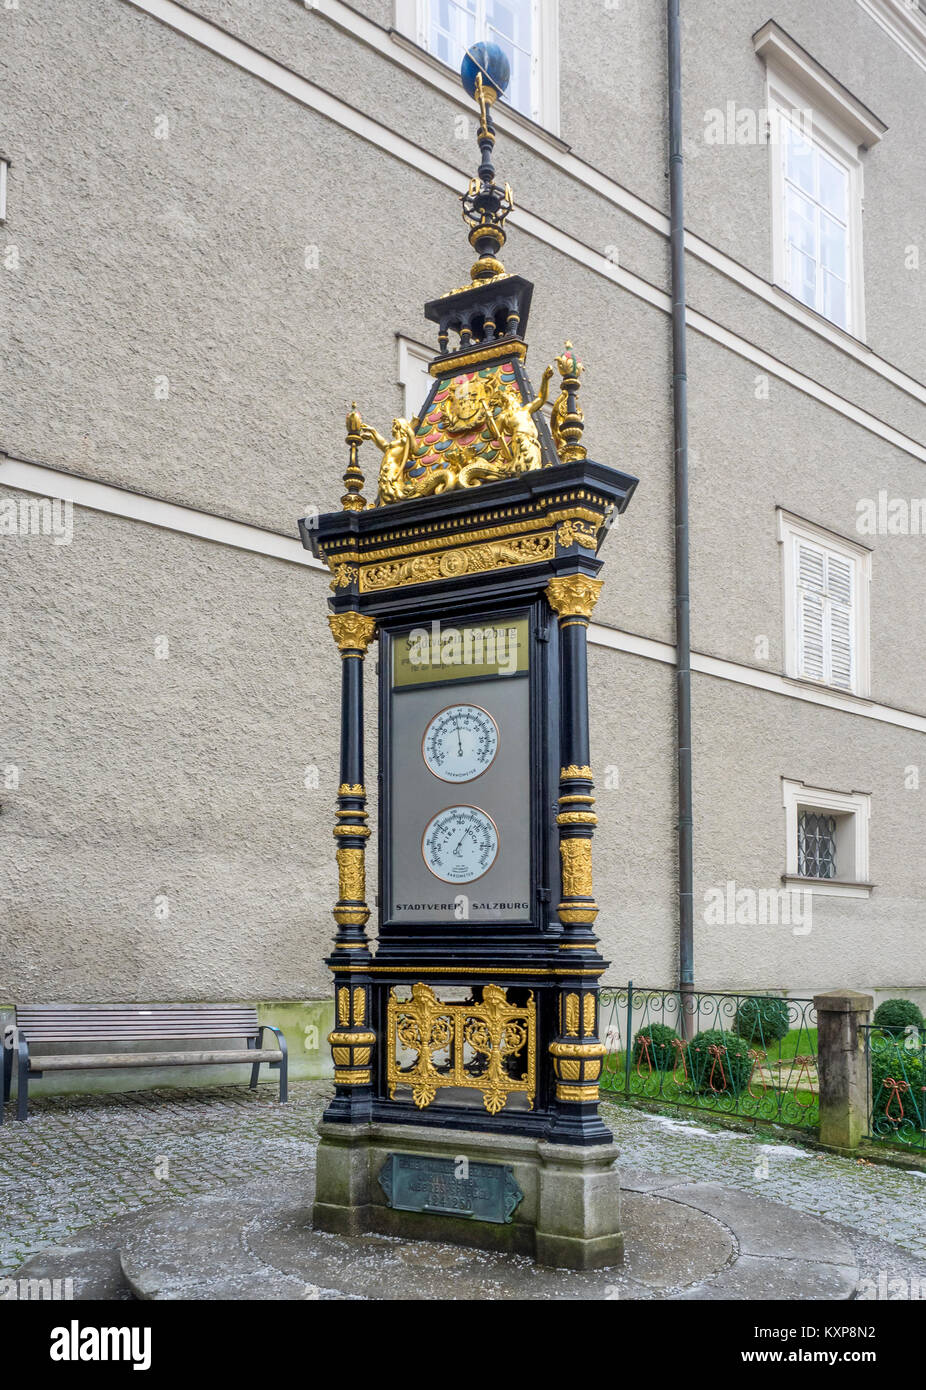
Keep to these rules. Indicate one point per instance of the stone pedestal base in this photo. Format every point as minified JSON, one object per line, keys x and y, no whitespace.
{"x":569,"y":1216}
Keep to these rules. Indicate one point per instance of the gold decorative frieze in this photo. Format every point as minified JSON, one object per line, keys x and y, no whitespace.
{"x":343,"y":576}
{"x":573,"y":595}
{"x":459,"y":560}
{"x":577,"y":818}
{"x":352,"y":631}
{"x":477,"y":1045}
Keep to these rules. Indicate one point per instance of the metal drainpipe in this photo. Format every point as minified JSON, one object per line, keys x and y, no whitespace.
{"x":680,"y":430}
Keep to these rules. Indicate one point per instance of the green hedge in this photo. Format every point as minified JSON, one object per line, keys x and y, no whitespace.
{"x":762,"y":1021}
{"x":898,"y":1013}
{"x":735,"y":1059}
{"x":661,"y":1052}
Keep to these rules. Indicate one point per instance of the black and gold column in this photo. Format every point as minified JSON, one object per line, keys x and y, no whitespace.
{"x":576,"y":1051}
{"x":352,"y":1040}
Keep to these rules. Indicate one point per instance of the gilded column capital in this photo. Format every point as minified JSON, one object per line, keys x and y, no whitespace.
{"x":352,"y":631}
{"x":573,"y":595}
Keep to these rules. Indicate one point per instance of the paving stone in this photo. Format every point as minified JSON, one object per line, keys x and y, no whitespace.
{"x":88,"y":1164}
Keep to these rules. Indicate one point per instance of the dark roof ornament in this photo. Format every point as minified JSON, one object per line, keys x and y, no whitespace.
{"x":485,"y":73}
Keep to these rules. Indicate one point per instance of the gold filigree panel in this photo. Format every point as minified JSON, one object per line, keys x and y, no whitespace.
{"x":471,"y":1045}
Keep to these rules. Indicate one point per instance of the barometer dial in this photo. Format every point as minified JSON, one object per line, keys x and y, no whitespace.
{"x":460,"y":743}
{"x":460,"y":844}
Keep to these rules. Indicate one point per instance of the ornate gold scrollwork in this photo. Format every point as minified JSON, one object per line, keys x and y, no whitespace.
{"x":571,"y":1014}
{"x":466,"y":559}
{"x":352,"y":631}
{"x":568,"y":773}
{"x":573,"y":595}
{"x":576,"y":855}
{"x":344,"y":575}
{"x":352,"y":879}
{"x":465,"y":1033}
{"x":573,"y":533}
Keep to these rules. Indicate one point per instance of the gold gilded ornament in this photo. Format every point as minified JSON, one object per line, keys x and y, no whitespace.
{"x":571,"y":1014}
{"x":470,"y":1044}
{"x":573,"y":595}
{"x":576,"y":855}
{"x":351,"y":873}
{"x":447,"y":564}
{"x":352,"y":631}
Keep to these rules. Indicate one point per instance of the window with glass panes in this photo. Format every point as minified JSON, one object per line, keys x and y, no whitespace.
{"x":452,"y":25}
{"x":816,"y":225}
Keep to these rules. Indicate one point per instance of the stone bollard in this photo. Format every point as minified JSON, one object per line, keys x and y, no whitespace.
{"x":842,"y":1066}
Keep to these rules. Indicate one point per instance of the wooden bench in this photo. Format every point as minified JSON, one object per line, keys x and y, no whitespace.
{"x":96,"y":1023}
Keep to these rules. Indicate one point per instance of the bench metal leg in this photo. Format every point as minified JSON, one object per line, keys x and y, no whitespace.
{"x":22,"y":1080}
{"x":252,"y":1043}
{"x":284,"y":1083}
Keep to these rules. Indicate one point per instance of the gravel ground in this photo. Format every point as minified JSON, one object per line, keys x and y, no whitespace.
{"x":80,"y":1160}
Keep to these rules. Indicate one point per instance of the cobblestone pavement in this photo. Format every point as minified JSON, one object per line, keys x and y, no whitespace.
{"x":79,"y":1160}
{"x":881,"y":1202}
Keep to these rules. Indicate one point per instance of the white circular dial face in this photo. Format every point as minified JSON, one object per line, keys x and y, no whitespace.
{"x":460,"y":743}
{"x":460,"y":844}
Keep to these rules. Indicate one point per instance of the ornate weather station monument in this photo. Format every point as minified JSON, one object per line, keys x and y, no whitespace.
{"x":466,"y":1049}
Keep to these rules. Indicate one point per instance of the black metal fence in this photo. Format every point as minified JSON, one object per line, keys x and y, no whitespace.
{"x":897,"y":1084}
{"x":752,"y":1055}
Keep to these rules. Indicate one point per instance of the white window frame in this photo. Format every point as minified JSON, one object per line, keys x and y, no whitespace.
{"x":411,"y":20}
{"x":840,"y":125}
{"x":791,"y":531}
{"x":853,"y":816}
{"x":414,"y":359}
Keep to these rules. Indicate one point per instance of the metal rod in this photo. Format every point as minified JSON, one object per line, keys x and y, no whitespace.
{"x":680,"y":440}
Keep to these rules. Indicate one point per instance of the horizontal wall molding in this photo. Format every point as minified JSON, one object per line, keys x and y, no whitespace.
{"x":22,"y":476}
{"x":242,"y":55}
{"x":759,"y":680}
{"x":396,"y":49}
{"x":905,"y":24}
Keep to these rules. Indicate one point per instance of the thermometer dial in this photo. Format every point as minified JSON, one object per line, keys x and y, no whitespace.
{"x":460,"y":743}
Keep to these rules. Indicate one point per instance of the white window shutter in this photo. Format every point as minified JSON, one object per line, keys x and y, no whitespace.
{"x":810,"y":639}
{"x":811,"y":584}
{"x":841,"y":624}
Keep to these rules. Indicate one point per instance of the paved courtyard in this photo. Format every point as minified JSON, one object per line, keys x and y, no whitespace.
{"x":82,"y":1160}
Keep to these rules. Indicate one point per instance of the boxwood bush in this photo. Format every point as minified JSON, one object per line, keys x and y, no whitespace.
{"x":735,"y":1060}
{"x":661,"y":1052}
{"x":762,"y":1021}
{"x":898,"y":1013}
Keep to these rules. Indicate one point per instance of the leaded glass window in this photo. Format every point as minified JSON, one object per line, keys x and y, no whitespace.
{"x":816,"y":845}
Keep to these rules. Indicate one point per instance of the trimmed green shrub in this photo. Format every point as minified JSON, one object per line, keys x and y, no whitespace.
{"x":661,"y":1052}
{"x":898,"y":1013}
{"x":893,"y":1060}
{"x":762,"y":1021}
{"x":734,"y":1059}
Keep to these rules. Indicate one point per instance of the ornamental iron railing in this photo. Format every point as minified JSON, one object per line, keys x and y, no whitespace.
{"x":750,"y":1055}
{"x":896,"y":1084}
